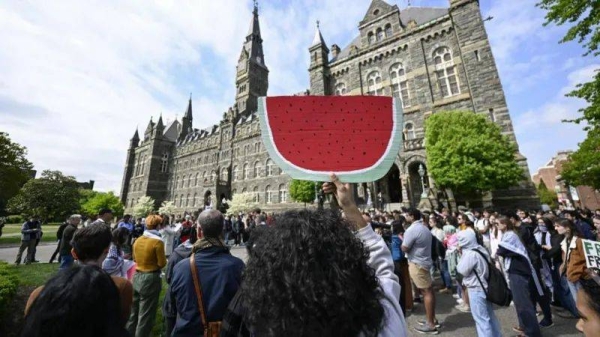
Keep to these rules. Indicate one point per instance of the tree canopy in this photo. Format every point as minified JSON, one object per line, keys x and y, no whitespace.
{"x":53,"y":196}
{"x":14,"y":169}
{"x":302,"y":191}
{"x":167,"y":208}
{"x":583,"y":17}
{"x":242,"y":203}
{"x":100,"y":200}
{"x":547,"y":196}
{"x":468,"y":153}
{"x":583,"y":166}
{"x":144,"y":207}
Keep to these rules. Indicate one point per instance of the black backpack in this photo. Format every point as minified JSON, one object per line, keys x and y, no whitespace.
{"x":497,"y":291}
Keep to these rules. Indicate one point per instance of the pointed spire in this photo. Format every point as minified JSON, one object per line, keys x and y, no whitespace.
{"x":318,"y":39}
{"x":254,"y":29}
{"x":136,"y":135}
{"x":150,"y":127}
{"x":188,"y":112}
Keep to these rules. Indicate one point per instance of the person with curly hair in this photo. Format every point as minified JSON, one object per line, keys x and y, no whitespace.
{"x":310,"y":275}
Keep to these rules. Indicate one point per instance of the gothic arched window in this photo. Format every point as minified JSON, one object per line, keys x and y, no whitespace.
{"x":446,"y":72}
{"x":400,"y":83}
{"x":375,"y":87}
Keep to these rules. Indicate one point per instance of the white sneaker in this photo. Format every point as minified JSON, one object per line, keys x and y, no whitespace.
{"x":456,"y":296}
{"x":460,"y":301}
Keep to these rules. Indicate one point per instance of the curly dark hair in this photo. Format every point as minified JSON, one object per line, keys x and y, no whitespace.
{"x":308,"y":276}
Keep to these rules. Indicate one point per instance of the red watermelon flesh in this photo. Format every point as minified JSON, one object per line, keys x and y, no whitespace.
{"x":315,"y":132}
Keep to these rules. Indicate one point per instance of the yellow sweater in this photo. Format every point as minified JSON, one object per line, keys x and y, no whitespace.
{"x":149,"y":254}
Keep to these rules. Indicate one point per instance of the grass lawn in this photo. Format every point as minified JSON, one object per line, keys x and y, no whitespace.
{"x":34,"y":275}
{"x":11,"y":234}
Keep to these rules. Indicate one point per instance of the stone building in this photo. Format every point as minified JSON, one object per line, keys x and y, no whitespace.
{"x":434,"y":59}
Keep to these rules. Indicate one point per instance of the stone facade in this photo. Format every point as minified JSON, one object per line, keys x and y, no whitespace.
{"x":435,"y":59}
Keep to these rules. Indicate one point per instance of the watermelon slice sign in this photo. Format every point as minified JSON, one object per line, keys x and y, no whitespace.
{"x":308,"y":137}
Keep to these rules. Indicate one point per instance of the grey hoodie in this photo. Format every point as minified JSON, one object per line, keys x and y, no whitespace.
{"x":472,"y":262}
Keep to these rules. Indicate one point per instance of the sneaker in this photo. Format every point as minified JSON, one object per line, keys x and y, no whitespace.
{"x":424,"y":322}
{"x":460,"y":301}
{"x":544,"y":324}
{"x":518,"y":329}
{"x":565,"y":314}
{"x":445,"y":291}
{"x":427,"y":330}
{"x":456,"y":296}
{"x":463,"y":308}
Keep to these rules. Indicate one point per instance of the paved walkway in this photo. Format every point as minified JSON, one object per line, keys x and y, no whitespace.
{"x":454,"y":322}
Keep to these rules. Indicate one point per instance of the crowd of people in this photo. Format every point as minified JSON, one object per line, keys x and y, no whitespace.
{"x":316,"y":272}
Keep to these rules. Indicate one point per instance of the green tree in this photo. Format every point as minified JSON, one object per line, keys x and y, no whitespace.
{"x":144,"y":207}
{"x":583,"y":166}
{"x":14,"y":169}
{"x":468,"y":154}
{"x":302,"y":191}
{"x":547,"y":196}
{"x":102,"y":200}
{"x":53,"y":196}
{"x":167,"y":208}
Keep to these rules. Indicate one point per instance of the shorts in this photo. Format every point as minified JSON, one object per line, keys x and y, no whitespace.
{"x":420,"y":276}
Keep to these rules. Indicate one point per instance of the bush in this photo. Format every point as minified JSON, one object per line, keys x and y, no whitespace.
{"x":14,"y":219}
{"x":9,"y":282}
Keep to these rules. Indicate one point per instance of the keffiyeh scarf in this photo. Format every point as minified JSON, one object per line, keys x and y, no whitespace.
{"x":511,"y":241}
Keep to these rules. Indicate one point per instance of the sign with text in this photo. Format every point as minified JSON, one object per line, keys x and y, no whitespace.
{"x":592,"y":253}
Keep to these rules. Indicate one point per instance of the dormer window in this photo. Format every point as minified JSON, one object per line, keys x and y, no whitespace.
{"x":379,"y":34}
{"x":388,"y":30}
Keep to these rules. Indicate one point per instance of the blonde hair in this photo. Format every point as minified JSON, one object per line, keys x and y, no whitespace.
{"x":153,"y":221}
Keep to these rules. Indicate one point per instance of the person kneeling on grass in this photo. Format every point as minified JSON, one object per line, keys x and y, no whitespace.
{"x":79,"y":301}
{"x":473,"y":266}
{"x":90,"y":247}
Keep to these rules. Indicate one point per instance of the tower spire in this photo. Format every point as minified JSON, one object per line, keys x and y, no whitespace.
{"x":318,"y":39}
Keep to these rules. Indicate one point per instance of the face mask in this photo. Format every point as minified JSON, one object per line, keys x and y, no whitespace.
{"x":543,"y":228}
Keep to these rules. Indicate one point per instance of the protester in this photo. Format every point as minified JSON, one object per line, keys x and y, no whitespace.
{"x":417,"y":246}
{"x":105,"y":216}
{"x":81,"y":301}
{"x":183,"y":251}
{"x":524,"y":282}
{"x":149,"y":254}
{"x":186,"y":228}
{"x":126,"y":223}
{"x":30,"y":231}
{"x":59,"y":235}
{"x":584,"y":229}
{"x":482,"y":225}
{"x":588,"y":305}
{"x":168,"y":233}
{"x":218,"y":273}
{"x":283,"y":288}
{"x":65,"y":256}
{"x":115,"y":263}
{"x":474,"y":268}
{"x":401,"y":265}
{"x":90,"y":247}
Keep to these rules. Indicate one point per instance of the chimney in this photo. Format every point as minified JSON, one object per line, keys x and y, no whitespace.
{"x":335,"y":50}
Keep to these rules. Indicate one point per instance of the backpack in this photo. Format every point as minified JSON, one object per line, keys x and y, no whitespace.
{"x":497,"y":291}
{"x":61,"y":229}
{"x":438,"y":251}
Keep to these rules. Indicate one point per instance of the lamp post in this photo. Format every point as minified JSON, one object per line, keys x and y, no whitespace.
{"x":422,"y":174}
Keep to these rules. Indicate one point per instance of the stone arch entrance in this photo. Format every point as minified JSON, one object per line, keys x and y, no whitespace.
{"x":394,"y":186}
{"x":207,"y":201}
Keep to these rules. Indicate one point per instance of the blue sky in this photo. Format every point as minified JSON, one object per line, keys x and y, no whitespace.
{"x":78,"y":77}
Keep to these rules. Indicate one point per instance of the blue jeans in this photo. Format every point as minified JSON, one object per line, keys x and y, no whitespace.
{"x":522,"y":288}
{"x":574,"y":287}
{"x":66,"y":261}
{"x":483,"y":313}
{"x":445,"y":274}
{"x":562,"y":292}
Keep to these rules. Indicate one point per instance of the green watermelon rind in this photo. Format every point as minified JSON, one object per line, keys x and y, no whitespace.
{"x":373,"y":173}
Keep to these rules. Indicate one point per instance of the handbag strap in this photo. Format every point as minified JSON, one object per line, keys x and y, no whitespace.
{"x":198,"y":288}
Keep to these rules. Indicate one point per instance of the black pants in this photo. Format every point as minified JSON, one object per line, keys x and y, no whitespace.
{"x":56,"y":252}
{"x":397,"y":271}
